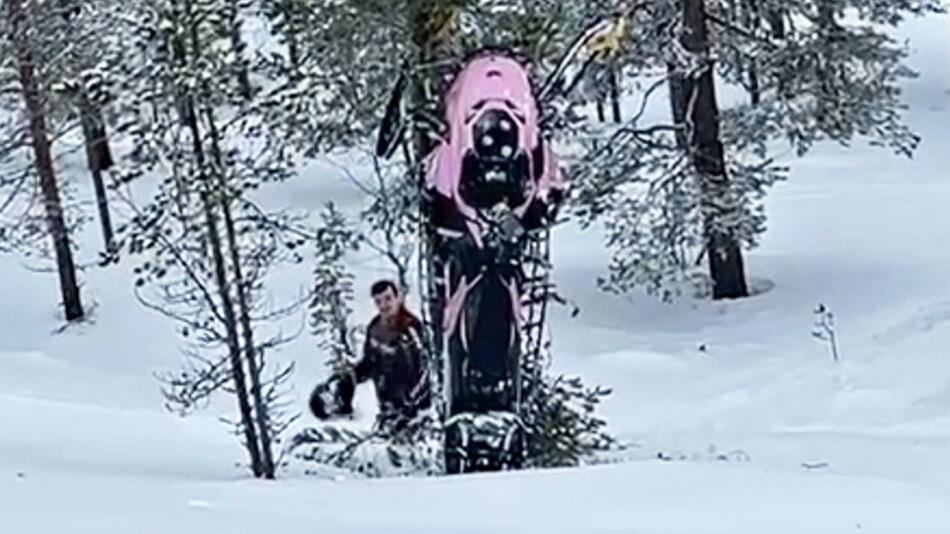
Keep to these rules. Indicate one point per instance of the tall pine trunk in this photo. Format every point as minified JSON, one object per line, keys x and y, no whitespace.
{"x":19,"y":28}
{"x":421,"y":14}
{"x":208,"y":195}
{"x":678,"y":102}
{"x":698,"y":104}
{"x":241,"y":288}
{"x":251,"y":356}
{"x":95,"y":138}
{"x":776,"y":20}
{"x":827,"y":114}
{"x":291,"y":30}
{"x":237,"y":43}
{"x":614,"y":82}
{"x":98,"y":159}
{"x":612,"y":93}
{"x":752,"y":19}
{"x":222,"y":286}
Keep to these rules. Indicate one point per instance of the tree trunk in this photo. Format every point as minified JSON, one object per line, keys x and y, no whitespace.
{"x":614,"y":83}
{"x":227,"y":305}
{"x":421,"y":16}
{"x":777,"y":23}
{"x":678,"y":102}
{"x":290,"y":35}
{"x":182,"y":98}
{"x":98,"y":158}
{"x":237,"y":43}
{"x":826,"y":16}
{"x":96,"y":140}
{"x":609,"y":91}
{"x":55,"y":222}
{"x":829,"y":97}
{"x":251,"y":441}
{"x":752,"y":20}
{"x":698,"y":99}
{"x":244,"y":312}
{"x":250,"y":348}
{"x":755,"y":89}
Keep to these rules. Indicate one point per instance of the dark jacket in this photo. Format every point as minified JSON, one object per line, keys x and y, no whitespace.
{"x":394,"y":359}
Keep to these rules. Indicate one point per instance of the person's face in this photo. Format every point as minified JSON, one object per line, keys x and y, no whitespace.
{"x":387,"y":303}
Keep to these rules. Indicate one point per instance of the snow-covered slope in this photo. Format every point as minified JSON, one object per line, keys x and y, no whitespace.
{"x":758,"y":430}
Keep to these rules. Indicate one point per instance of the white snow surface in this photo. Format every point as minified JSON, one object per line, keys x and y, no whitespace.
{"x":759,"y":430}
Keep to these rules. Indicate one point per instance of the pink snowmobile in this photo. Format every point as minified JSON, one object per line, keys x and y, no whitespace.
{"x":490,"y":180}
{"x":493,"y":179}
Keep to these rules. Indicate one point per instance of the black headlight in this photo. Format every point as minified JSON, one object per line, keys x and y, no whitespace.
{"x":495,"y":136}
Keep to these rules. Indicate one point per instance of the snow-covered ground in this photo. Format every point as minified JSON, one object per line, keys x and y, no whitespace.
{"x":759,"y":431}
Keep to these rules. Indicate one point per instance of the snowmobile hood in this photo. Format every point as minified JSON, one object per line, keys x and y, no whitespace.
{"x":493,"y":81}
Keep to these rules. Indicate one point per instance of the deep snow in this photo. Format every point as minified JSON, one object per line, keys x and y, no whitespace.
{"x":759,"y":430}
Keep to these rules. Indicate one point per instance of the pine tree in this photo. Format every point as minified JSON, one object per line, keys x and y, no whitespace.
{"x":82,"y":87}
{"x":22,"y":38}
{"x":206,"y":246}
{"x":812,"y":74}
{"x":330,"y":307}
{"x":700,"y":112}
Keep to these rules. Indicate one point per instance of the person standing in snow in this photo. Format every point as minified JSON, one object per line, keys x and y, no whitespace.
{"x":393,"y":358}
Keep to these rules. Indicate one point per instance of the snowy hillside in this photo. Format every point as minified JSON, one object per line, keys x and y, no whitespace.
{"x":738,"y":419}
